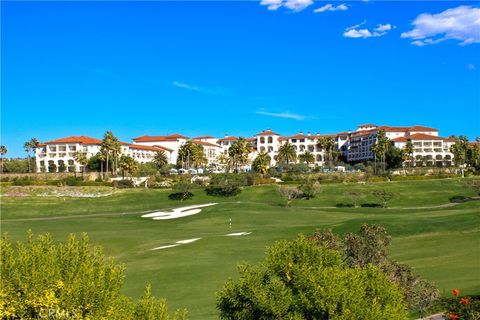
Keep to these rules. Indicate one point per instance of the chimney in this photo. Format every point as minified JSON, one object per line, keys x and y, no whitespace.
{"x":309,"y":134}
{"x":300,"y":133}
{"x":226,"y":135}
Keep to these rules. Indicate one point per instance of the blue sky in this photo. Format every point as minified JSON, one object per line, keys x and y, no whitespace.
{"x":82,"y":68}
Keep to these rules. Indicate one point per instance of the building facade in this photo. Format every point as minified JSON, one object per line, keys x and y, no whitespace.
{"x":428,"y":148}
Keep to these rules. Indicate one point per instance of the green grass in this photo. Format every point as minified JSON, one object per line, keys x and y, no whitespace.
{"x":441,"y":243}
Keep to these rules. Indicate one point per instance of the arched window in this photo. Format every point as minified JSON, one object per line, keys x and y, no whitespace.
{"x":319,"y":157}
{"x":311,"y":148}
{"x":262,"y":149}
{"x":295,"y":147}
{"x":270,"y":149}
{"x":302,"y":147}
{"x":270,"y":140}
{"x":262,"y":139}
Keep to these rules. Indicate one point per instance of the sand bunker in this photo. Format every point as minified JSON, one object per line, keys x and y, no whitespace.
{"x":236,"y":234}
{"x":178,"y":212}
{"x":177,"y":243}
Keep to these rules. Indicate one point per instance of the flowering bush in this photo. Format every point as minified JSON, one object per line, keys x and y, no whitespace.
{"x":462,"y":308}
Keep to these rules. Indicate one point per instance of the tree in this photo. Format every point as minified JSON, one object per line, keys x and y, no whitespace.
{"x":30,"y":145}
{"x":354,"y":196}
{"x":181,"y":191}
{"x":370,"y":247}
{"x":310,"y":189}
{"x":238,"y":153}
{"x":261,"y":163}
{"x":459,"y":150}
{"x":127,"y":164}
{"x":3,"y":152}
{"x":81,"y":159}
{"x":286,"y":153}
{"x":394,"y":157}
{"x":384,"y":196}
{"x":52,"y":167}
{"x":328,"y":145}
{"x":408,"y":151}
{"x":380,"y":148}
{"x":306,"y":157}
{"x":72,"y":279}
{"x":160,"y":160}
{"x":111,"y":148}
{"x":226,"y":185}
{"x":300,"y":280}
{"x":289,"y":193}
{"x":62,"y":167}
{"x":191,"y":154}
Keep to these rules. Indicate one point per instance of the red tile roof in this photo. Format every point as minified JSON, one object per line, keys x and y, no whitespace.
{"x":417,"y":136}
{"x":76,"y":139}
{"x":204,"y":143}
{"x":366,"y":125}
{"x":406,"y":129}
{"x":172,"y":137}
{"x":151,"y":148}
{"x":229,"y":139}
{"x":267,"y":132}
{"x":203,"y":137}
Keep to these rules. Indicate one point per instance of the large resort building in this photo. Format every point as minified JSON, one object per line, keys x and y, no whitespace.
{"x":428,"y":148}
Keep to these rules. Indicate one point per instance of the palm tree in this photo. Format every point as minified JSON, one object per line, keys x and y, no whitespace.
{"x":3,"y":152}
{"x":238,"y":153}
{"x":306,"y":157}
{"x":287,"y":153}
{"x":261,"y":163}
{"x":160,"y":159}
{"x":127,"y":163}
{"x":199,"y":158}
{"x":110,"y":147}
{"x":81,"y":158}
{"x":408,"y":150}
{"x":328,"y":145}
{"x":381,"y":146}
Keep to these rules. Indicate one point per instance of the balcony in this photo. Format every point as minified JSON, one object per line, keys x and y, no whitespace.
{"x":52,"y":155}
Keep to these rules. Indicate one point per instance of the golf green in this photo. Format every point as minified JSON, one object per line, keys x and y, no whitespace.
{"x":439,"y":240}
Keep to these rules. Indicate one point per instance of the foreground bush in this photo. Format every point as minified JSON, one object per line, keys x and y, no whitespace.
{"x":460,"y":308}
{"x":226,"y":185}
{"x":43,"y":279}
{"x":300,"y":280}
{"x":370,"y":247}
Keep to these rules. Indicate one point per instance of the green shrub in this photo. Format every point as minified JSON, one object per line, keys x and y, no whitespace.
{"x":370,"y":247}
{"x":44,"y":279}
{"x":460,"y":308}
{"x":226,"y":185}
{"x":181,"y":191}
{"x":123,"y":184}
{"x":300,"y":280}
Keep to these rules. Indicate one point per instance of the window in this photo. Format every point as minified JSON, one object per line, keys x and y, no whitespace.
{"x":262,"y":149}
{"x":270,"y":140}
{"x":262,"y":139}
{"x":270,"y":149}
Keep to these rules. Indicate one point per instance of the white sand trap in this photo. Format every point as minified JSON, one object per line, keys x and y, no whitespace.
{"x":188,"y":241}
{"x":236,"y":234}
{"x":178,"y":212}
{"x":178,"y":243}
{"x":165,"y":247}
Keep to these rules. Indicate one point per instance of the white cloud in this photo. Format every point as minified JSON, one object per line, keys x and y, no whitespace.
{"x":378,"y":31}
{"x":383,"y":27}
{"x":354,"y":33}
{"x":185,"y":86}
{"x":331,"y":7}
{"x":271,"y":4}
{"x":294,"y":5}
{"x":286,"y":115}
{"x":461,"y":23}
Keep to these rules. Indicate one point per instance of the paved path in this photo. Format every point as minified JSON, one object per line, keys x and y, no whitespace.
{"x":437,"y":316}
